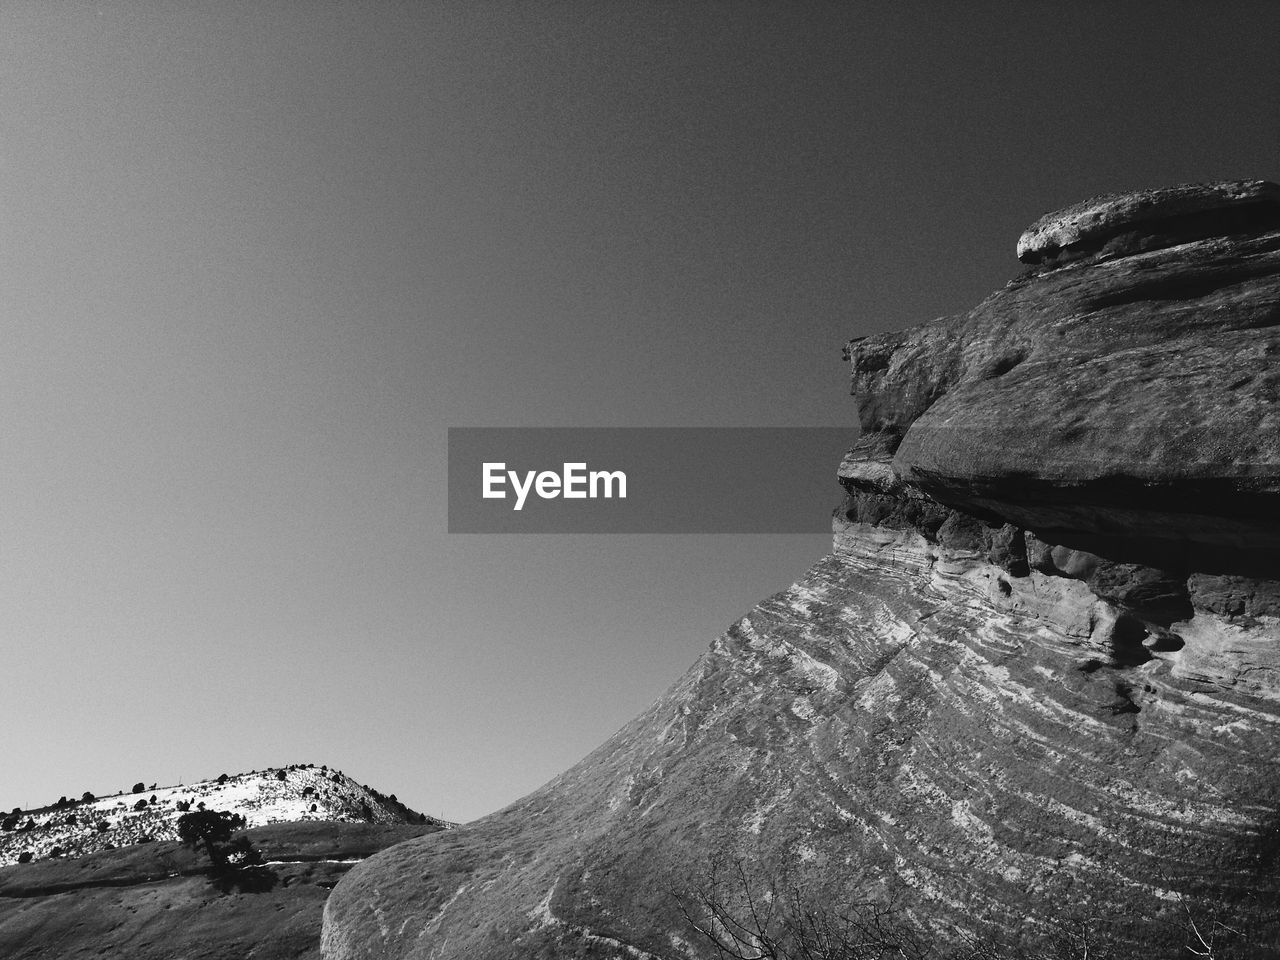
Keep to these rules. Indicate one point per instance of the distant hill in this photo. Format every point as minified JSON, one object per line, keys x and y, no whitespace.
{"x":77,"y":827}
{"x":106,"y":877}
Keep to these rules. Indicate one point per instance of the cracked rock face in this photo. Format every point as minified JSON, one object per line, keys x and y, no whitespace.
{"x":1035,"y":688}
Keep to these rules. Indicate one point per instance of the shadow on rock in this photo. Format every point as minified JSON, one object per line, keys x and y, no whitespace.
{"x":252,"y":879}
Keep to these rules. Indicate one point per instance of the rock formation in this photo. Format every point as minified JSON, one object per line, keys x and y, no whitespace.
{"x":1033,"y":696}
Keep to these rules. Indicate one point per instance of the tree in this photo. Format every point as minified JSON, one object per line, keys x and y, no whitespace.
{"x":139,"y":787}
{"x":234,"y":864}
{"x":211,"y":829}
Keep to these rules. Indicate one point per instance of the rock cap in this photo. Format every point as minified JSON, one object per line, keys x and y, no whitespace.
{"x":1090,"y":223}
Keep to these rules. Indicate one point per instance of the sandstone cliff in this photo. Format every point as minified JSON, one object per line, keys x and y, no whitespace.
{"x":1034,"y":693}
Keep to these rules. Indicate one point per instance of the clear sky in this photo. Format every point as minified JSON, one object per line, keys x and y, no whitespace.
{"x":256,"y":258}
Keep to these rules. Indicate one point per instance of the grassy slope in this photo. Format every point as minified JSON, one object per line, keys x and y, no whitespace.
{"x":153,"y":901}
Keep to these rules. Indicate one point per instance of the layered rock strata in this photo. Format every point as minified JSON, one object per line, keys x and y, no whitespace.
{"x":1034,"y":693}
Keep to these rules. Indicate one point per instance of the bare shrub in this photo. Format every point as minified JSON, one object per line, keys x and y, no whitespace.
{"x":741,"y":916}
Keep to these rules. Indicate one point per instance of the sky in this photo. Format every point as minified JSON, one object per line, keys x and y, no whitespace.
{"x":256,"y":259}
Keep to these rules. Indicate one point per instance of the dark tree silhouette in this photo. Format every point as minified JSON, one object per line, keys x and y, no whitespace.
{"x":234,"y":863}
{"x":212,"y":830}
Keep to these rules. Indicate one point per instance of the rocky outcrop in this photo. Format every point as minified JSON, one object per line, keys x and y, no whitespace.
{"x":1034,"y":693}
{"x":1123,"y":403}
{"x":1131,"y":222}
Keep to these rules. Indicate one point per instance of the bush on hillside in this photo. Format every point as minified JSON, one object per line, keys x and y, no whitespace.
{"x":139,"y":787}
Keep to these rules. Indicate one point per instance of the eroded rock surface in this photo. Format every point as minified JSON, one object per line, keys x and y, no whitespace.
{"x":1035,"y":688}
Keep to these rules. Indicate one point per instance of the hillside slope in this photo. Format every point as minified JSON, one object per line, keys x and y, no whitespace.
{"x":154,"y":901}
{"x":1032,"y":698}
